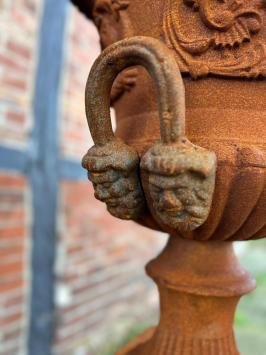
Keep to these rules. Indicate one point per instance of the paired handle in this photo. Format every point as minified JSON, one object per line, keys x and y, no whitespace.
{"x":161,"y":65}
{"x":114,"y":166}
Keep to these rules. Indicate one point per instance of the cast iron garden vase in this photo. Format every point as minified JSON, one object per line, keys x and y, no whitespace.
{"x":188,"y":85}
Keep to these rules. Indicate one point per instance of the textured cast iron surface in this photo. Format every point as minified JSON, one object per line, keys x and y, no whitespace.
{"x":200,"y":285}
{"x":180,"y":176}
{"x":219,"y":43}
{"x":220,"y":49}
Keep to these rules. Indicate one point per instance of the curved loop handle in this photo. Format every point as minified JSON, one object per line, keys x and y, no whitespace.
{"x":113,"y":165}
{"x":161,"y":65}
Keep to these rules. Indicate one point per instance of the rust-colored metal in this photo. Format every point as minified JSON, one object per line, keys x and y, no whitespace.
{"x":220,"y":49}
{"x":200,"y":285}
{"x":180,"y":176}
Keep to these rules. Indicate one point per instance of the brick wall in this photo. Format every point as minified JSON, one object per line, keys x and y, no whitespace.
{"x":82,"y":47}
{"x":19,"y":23}
{"x":101,"y":281}
{"x":100,"y":286}
{"x":14,"y":254}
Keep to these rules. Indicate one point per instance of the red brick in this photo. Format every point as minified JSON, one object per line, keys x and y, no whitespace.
{"x":15,"y":83}
{"x":19,"y":49}
{"x":12,"y":250}
{"x":13,"y":301}
{"x":75,"y":249}
{"x":74,"y":136}
{"x":12,"y":335}
{"x":11,"y":268}
{"x":31,"y":6}
{"x":19,"y":15}
{"x":12,"y":215}
{"x":11,"y":319}
{"x":10,"y":198}
{"x":12,"y":232}
{"x":83,"y":320}
{"x":12,"y":181}
{"x":11,"y":285}
{"x":12,"y":64}
{"x":16,"y":117}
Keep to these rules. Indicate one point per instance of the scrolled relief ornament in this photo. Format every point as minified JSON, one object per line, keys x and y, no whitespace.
{"x":221,"y":37}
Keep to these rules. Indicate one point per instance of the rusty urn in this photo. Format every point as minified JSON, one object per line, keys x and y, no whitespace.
{"x":187,"y":79}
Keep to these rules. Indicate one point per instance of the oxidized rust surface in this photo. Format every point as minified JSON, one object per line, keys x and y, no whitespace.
{"x":222,"y":44}
{"x":220,"y":37}
{"x":219,"y":46}
{"x":198,"y":300}
{"x":180,"y":176}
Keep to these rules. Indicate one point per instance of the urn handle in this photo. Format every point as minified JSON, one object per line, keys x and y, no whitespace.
{"x":160,"y":64}
{"x":113,"y":165}
{"x":178,"y":176}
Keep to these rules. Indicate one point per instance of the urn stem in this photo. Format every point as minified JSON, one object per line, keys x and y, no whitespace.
{"x":200,"y":285}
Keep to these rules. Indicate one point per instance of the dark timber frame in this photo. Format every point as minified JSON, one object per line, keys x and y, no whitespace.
{"x":42,"y":165}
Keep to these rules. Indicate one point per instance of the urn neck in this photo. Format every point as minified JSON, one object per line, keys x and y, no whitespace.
{"x":201,"y":268}
{"x":200,"y":284}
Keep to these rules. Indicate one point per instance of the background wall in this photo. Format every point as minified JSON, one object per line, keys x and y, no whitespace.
{"x":70,"y":274}
{"x":19,"y":24}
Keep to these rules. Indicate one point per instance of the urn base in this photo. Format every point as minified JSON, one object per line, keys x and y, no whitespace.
{"x":200,"y":285}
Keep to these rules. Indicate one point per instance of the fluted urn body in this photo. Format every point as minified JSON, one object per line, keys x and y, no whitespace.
{"x":220,"y":48}
{"x":188,"y":156}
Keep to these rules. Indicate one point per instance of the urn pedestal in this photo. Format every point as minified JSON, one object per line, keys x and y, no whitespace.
{"x":200,"y":285}
{"x":188,"y":156}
